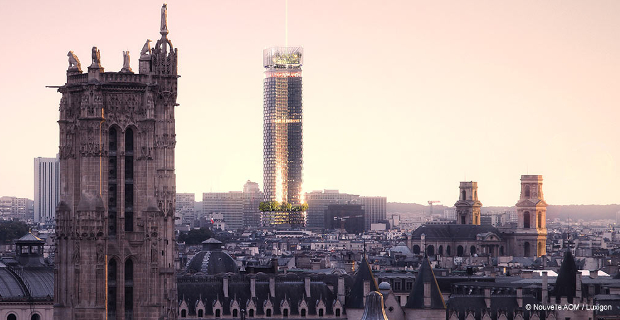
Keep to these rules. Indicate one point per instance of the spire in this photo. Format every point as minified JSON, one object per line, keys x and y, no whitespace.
{"x":425,"y":281}
{"x":566,"y":283}
{"x":363,"y":275}
{"x":164,"y":20}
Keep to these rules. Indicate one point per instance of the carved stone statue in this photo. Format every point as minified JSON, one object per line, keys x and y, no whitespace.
{"x":126,"y":66}
{"x":96,"y":58}
{"x":146,"y":50}
{"x":164,"y":19}
{"x":74,"y":62}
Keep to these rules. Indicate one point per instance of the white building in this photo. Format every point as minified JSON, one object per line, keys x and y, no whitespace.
{"x":46,"y":189}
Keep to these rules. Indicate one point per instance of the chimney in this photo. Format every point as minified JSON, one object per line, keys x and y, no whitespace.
{"x":545,"y":286}
{"x":253,"y":287}
{"x":341,"y":294}
{"x":487,"y":297}
{"x":578,"y":287}
{"x":427,"y":294}
{"x":272,"y":286}
{"x":520,"y":297}
{"x":307,"y":286}
{"x":225,"y":286}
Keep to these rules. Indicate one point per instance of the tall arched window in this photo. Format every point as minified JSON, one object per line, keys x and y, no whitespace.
{"x":35,"y":316}
{"x":526,"y":249}
{"x":440,"y":250}
{"x":540,"y":249}
{"x":526,"y":220}
{"x":129,"y":180}
{"x":416,"y":249}
{"x":112,"y":278}
{"x":430,"y":250}
{"x":459,"y":251}
{"x":11,"y":317}
{"x":540,"y":225}
{"x":112,"y":182}
{"x":200,"y":313}
{"x":472,"y":250}
{"x":463,"y":195}
{"x":129,"y":289}
{"x":448,"y":251}
{"x":526,"y":191}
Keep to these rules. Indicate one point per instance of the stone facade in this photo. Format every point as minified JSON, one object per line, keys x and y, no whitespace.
{"x":115,"y":220}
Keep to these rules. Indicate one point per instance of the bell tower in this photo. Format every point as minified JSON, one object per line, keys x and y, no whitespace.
{"x":115,"y":220}
{"x":468,"y":206}
{"x":531,"y":232}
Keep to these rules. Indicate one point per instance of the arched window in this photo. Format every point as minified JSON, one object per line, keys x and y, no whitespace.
{"x":416,"y":249}
{"x":472,"y":250}
{"x":526,"y":220}
{"x":448,"y":251}
{"x":540,"y":225}
{"x":268,"y":313}
{"x":129,"y":289}
{"x":285,"y":312}
{"x":251,"y":313}
{"x":430,"y":250}
{"x":35,"y":316}
{"x":463,"y":195}
{"x":11,"y":317}
{"x":183,"y":313}
{"x":338,"y":312}
{"x":501,"y":250}
{"x":540,"y":249}
{"x":200,"y":313}
{"x":475,"y":195}
{"x":526,"y":249}
{"x":440,"y":251}
{"x":303,"y":312}
{"x":112,"y":278}
{"x":321,"y":312}
{"x":235,"y":313}
{"x":526,"y":191}
{"x":459,"y":251}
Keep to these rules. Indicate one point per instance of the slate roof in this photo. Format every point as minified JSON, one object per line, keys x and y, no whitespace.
{"x":29,"y":238}
{"x":416,"y":296}
{"x":212,"y":262}
{"x":452,"y":232}
{"x":566,"y":282}
{"x":21,"y":284}
{"x":462,"y":303}
{"x":291,"y":288}
{"x":355,"y":300}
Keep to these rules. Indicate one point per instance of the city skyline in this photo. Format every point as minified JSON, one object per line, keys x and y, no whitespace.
{"x":402,"y":100}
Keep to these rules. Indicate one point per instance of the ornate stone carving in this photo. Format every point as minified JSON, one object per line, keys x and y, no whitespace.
{"x":74,"y":62}
{"x":126,"y":66}
{"x":76,"y":252}
{"x":96,"y":55}
{"x":146,"y":49}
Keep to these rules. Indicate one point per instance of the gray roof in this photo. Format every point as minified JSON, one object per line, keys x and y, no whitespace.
{"x":212,"y":262}
{"x":416,"y":296}
{"x":452,"y":232}
{"x":356,"y":297}
{"x":26,"y":283}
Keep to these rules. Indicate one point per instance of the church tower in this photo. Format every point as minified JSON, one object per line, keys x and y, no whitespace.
{"x":115,"y":220}
{"x":531,"y":232}
{"x":468,"y":206}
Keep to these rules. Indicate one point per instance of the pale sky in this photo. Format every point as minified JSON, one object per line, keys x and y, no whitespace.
{"x":402,"y":99}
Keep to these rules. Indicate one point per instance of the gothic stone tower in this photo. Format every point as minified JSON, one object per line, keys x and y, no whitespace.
{"x":468,"y":206}
{"x":530,"y":237}
{"x":115,"y":219}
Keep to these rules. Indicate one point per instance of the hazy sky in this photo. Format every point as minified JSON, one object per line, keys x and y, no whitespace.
{"x":401,"y":98}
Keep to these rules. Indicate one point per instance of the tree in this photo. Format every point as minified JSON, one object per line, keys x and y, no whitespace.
{"x":196,"y":236}
{"x":11,"y":230}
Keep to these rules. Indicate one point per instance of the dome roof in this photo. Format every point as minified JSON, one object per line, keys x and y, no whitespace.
{"x":212,"y":260}
{"x":384,"y":286}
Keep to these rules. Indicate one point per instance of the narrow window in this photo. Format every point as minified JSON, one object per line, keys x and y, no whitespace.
{"x":112,"y":289}
{"x":200,"y":313}
{"x":218,"y":313}
{"x":129,"y":289}
{"x":112,"y":184}
{"x":235,"y":313}
{"x":183,"y":313}
{"x":303,"y":312}
{"x":129,"y":180}
{"x":526,"y":220}
{"x":251,"y":313}
{"x":268,"y":313}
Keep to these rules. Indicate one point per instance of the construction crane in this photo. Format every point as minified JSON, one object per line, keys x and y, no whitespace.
{"x":430,"y":203}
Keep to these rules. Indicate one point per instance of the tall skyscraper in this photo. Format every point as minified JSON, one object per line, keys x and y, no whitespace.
{"x":282,"y":125}
{"x":115,"y":219}
{"x":46,"y":188}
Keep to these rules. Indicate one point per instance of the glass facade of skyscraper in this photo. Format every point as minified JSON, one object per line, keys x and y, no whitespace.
{"x":282,"y":108}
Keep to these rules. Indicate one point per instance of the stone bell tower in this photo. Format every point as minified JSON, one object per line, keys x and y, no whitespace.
{"x":115,"y":220}
{"x":530,"y":237}
{"x":468,"y":206}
